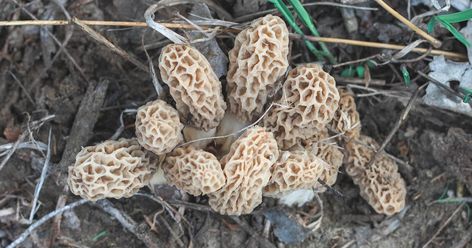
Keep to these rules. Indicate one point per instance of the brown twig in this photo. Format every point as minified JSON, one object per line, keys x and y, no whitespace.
{"x":397,"y":126}
{"x":56,"y":40}
{"x":451,"y":55}
{"x":378,"y":45}
{"x":444,"y":225}
{"x":102,"y":40}
{"x":436,"y":43}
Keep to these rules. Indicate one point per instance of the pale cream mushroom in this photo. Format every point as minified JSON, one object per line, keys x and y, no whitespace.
{"x":309,"y":102}
{"x":112,"y":169}
{"x":195,"y":89}
{"x":299,"y":169}
{"x":257,"y":62}
{"x":247,"y":171}
{"x":380,"y":184}
{"x":346,"y":120}
{"x":194,"y":171}
{"x":158,"y":127}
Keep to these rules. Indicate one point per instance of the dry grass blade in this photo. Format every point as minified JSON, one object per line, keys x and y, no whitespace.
{"x":42,"y":178}
{"x":171,"y":35}
{"x":451,"y":55}
{"x":102,"y":40}
{"x":436,"y":43}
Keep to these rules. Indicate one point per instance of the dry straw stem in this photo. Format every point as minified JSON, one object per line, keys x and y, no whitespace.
{"x":451,"y":55}
{"x":436,"y":43}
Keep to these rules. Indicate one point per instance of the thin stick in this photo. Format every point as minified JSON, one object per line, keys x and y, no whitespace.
{"x":398,"y":124}
{"x":436,"y":43}
{"x":43,"y":220}
{"x":102,"y":40}
{"x":42,"y":178}
{"x":444,"y":225}
{"x":451,"y":55}
{"x":378,"y":45}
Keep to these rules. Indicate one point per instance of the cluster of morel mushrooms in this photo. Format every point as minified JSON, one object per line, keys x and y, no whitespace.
{"x":285,"y":151}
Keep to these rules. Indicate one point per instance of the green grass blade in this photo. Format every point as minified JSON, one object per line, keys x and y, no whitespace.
{"x":457,"y":17}
{"x":283,"y":9}
{"x":308,"y":22}
{"x":447,"y":20}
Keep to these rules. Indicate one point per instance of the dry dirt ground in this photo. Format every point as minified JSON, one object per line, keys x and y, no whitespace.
{"x":38,"y":79}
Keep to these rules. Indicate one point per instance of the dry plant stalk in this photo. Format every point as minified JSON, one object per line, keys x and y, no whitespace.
{"x":447,"y":54}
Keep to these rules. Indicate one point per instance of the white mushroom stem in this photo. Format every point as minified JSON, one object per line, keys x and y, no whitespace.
{"x":198,"y":138}
{"x":158,"y":178}
{"x":297,"y":197}
{"x":228,"y":131}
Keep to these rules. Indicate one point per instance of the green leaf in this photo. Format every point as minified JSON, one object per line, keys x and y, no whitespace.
{"x":467,"y":94}
{"x":447,"y":20}
{"x":360,"y":71}
{"x":406,"y":75}
{"x":348,"y":72}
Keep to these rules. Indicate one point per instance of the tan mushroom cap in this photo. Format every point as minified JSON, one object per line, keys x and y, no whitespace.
{"x":333,"y":157}
{"x":383,"y":188}
{"x":257,"y":61}
{"x":247,"y":170}
{"x":158,"y":127}
{"x":299,"y":169}
{"x":193,"y":85}
{"x":380,"y":185}
{"x":112,"y":169}
{"x":309,"y":102}
{"x":346,"y":120}
{"x":196,"y":172}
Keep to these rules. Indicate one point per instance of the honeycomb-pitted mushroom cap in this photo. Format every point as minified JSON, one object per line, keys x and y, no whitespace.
{"x":299,"y":169}
{"x":112,"y":169}
{"x":332,"y":155}
{"x":360,"y":151}
{"x":288,"y":135}
{"x":346,"y":119}
{"x":194,"y":171}
{"x":247,"y":171}
{"x":311,"y":95}
{"x":193,"y":84}
{"x":256,"y":62}
{"x":380,"y":185}
{"x":158,"y":127}
{"x":383,"y":187}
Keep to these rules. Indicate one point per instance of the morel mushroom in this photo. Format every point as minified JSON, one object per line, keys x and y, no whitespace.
{"x":112,"y":169}
{"x":158,"y":127}
{"x":194,"y":171}
{"x":380,"y":184}
{"x":247,"y":171}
